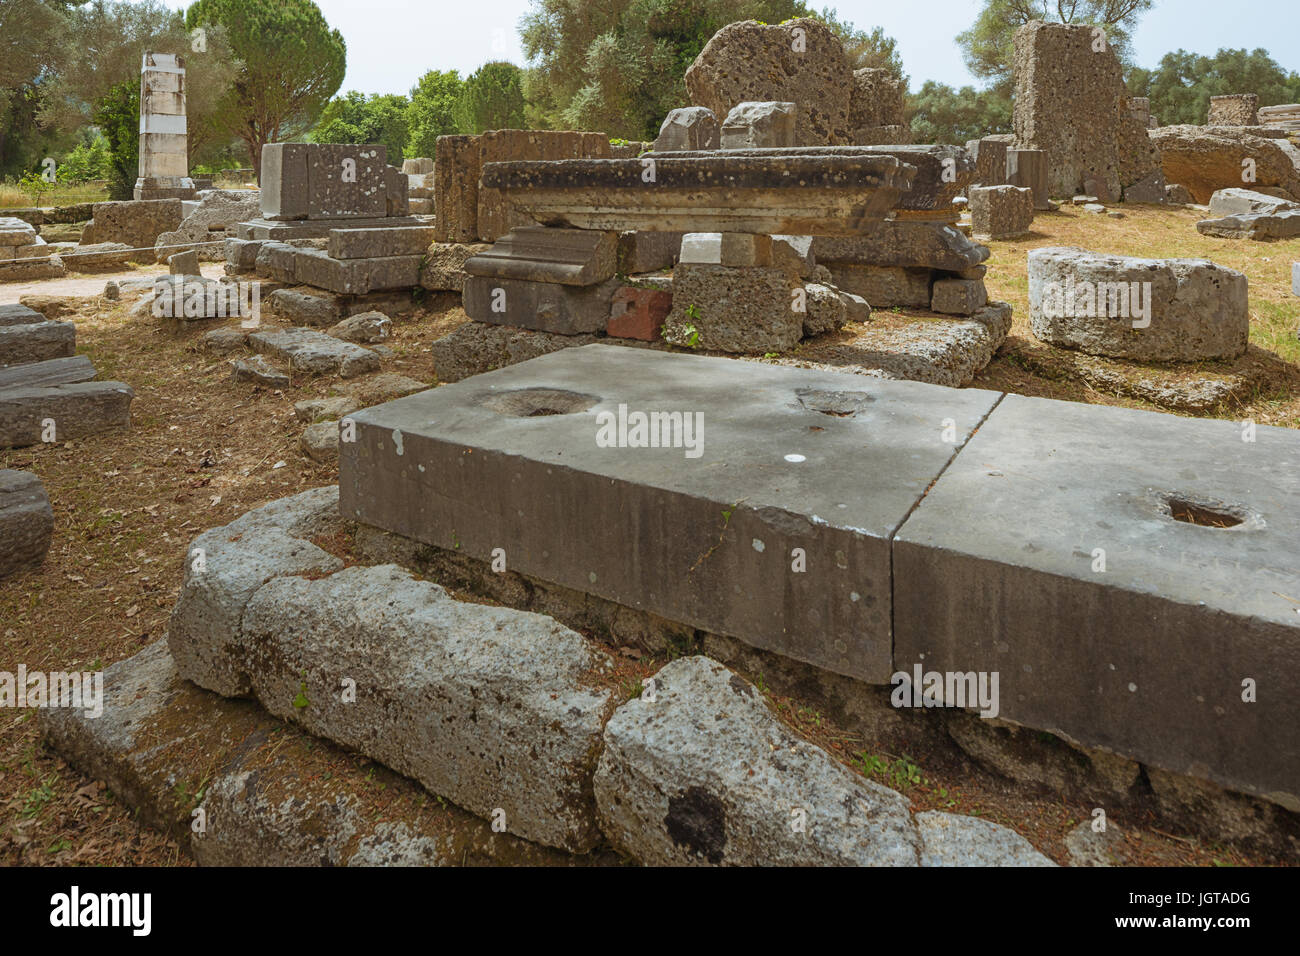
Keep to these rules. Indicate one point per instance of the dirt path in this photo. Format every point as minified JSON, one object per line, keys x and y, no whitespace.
{"x":87,"y":285}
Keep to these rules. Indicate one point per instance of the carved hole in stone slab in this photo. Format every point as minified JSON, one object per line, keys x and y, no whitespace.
{"x":835,"y":404}
{"x":539,"y":402}
{"x":1206,"y":514}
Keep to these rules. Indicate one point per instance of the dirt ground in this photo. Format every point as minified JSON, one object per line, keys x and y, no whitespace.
{"x":203,"y":450}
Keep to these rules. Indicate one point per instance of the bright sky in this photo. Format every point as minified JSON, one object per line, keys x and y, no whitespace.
{"x":393,"y":42}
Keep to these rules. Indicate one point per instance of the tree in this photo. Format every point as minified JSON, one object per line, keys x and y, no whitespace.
{"x":619,"y":65}
{"x":356,"y":118}
{"x":290,"y":64}
{"x":491,"y":98}
{"x":988,"y":47}
{"x":431,"y":113}
{"x":873,"y":50}
{"x":941,"y":114}
{"x":112,"y":38}
{"x":34,"y":34}
{"x":1181,"y":86}
{"x":117,"y":114}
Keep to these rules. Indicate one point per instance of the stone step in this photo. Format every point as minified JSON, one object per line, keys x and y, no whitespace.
{"x":73,"y":411}
{"x":280,"y":797}
{"x":58,"y":371}
{"x":21,"y":344}
{"x":380,"y":242}
{"x":26,"y":522}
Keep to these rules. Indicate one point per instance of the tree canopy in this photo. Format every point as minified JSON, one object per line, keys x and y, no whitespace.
{"x":290,"y":63}
{"x":492,"y":97}
{"x":1181,"y":86}
{"x":357,"y":118}
{"x":619,"y":65}
{"x":432,"y":110}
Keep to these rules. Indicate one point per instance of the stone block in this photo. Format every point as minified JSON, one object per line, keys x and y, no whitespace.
{"x":1295,"y":279}
{"x":16,"y":232}
{"x":136,"y":224}
{"x":496,"y":216}
{"x":56,"y":371}
{"x":1206,"y":159}
{"x":475,"y":348}
{"x":903,"y":243}
{"x":760,"y":126}
{"x":800,"y":61}
{"x":241,"y":254}
{"x":305,"y":308}
{"x":705,"y":774}
{"x":990,"y":155}
{"x":364,"y":327}
{"x":638,"y":313}
{"x":36,"y":342}
{"x":378,"y":243}
{"x":1027,"y":168}
{"x":26,"y":522}
{"x":1234,"y":109}
{"x":734,"y":309}
{"x":1241,"y":202}
{"x":347,"y":182}
{"x":76,"y":410}
{"x":455,"y":177}
{"x":204,"y":631}
{"x":958,"y":296}
{"x":396,"y":192}
{"x":1126,"y":573}
{"x":1257,"y":226}
{"x":876,"y":100}
{"x":831,"y":191}
{"x":689,"y":127}
{"x":183,"y":264}
{"x":794,"y":254}
{"x":516,"y":447}
{"x":541,"y":306}
{"x":1151,"y":310}
{"x":1001,"y":212}
{"x":824,"y":309}
{"x":885,"y":287}
{"x":354,"y":276}
{"x":284,"y":187}
{"x":942,"y":174}
{"x":574,"y":257}
{"x":640,"y":251}
{"x":444,"y":265}
{"x":490,"y":706}
{"x":315,"y":353}
{"x":417,"y":166}
{"x":259,"y":371}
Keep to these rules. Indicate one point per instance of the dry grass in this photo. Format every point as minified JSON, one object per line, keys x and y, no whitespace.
{"x":1155,"y":233}
{"x":202,"y":450}
{"x":11,"y":197}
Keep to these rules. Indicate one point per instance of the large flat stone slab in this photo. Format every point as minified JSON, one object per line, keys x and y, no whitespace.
{"x":791,"y":459}
{"x":264,"y":229}
{"x":26,"y":522}
{"x":77,"y":410}
{"x":314,"y":352}
{"x":16,"y":314}
{"x":839,"y":194}
{"x":1152,"y":658}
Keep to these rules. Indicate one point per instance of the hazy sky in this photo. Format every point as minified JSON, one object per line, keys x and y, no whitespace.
{"x":392,"y":42}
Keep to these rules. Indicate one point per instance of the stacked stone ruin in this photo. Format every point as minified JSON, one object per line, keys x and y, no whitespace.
{"x":47,"y":392}
{"x":1072,"y":105}
{"x":24,"y":254}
